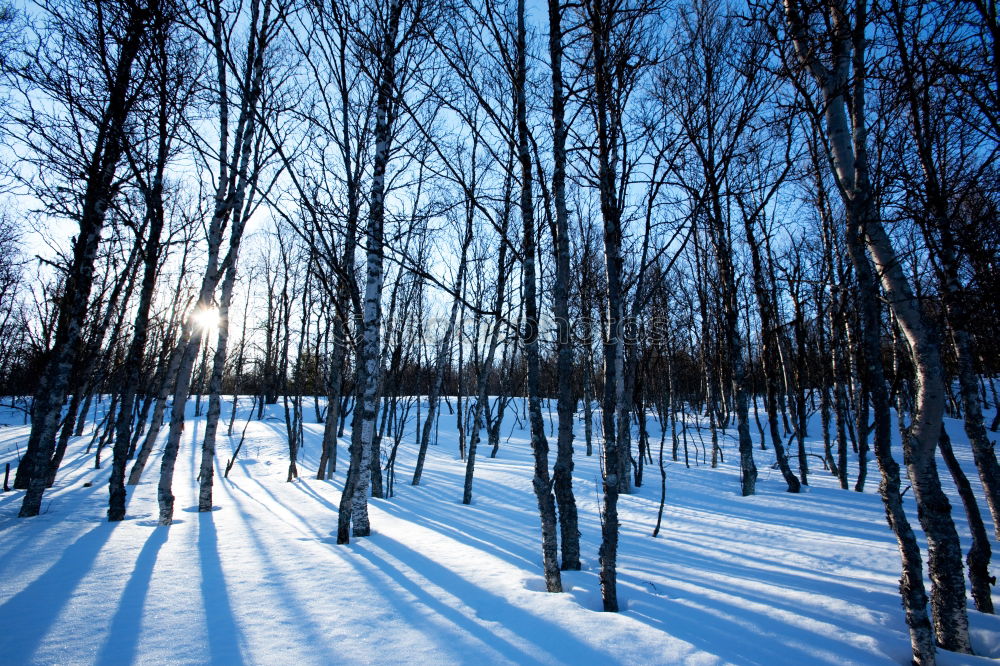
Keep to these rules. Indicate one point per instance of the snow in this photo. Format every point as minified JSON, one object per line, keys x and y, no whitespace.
{"x":770,"y":579}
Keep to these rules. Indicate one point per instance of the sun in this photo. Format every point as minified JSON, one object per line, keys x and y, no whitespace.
{"x":206,"y":319}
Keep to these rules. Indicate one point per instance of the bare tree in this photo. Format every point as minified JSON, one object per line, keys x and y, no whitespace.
{"x":233,"y":180}
{"x":81,"y":28}
{"x":401,"y":24}
{"x":829,"y":45}
{"x":539,"y":444}
{"x":171,"y":83}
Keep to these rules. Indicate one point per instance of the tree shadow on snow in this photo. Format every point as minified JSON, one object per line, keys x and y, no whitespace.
{"x":123,"y":634}
{"x":38,"y":605}
{"x":550,"y":638}
{"x":224,"y":637}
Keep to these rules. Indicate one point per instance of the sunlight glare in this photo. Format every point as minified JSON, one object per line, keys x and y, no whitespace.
{"x":206,"y":319}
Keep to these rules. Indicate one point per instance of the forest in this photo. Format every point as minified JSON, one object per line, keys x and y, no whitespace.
{"x":545,"y":278}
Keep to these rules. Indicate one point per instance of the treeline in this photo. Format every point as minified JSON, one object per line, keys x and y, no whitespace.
{"x":741,"y":213}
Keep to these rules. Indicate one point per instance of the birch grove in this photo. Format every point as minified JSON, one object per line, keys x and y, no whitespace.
{"x":699,"y":234}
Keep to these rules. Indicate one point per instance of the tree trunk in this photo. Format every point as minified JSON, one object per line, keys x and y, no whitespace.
{"x":484,"y":374}
{"x":769,"y":324}
{"x":206,"y":473}
{"x":975,"y":426}
{"x":978,"y":557}
{"x":100,"y":175}
{"x":911,"y":584}
{"x":441,"y":361}
{"x":328,"y":457}
{"x":166,"y":382}
{"x":951,"y":622}
{"x":847,"y":152}
{"x":230,"y":197}
{"x":539,"y":444}
{"x":563,"y":471}
{"x":600,"y":19}
{"x":353,"y":509}
{"x":133,"y":361}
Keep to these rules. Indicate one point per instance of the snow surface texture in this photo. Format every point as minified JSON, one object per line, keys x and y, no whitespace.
{"x":770,"y":579}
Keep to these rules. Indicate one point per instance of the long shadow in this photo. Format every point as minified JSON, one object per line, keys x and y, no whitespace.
{"x":726,"y":628}
{"x":275,"y":501}
{"x":717,"y":634}
{"x":456,"y":531}
{"x":77,"y":466}
{"x":463,"y":625}
{"x":309,"y":631}
{"x":777,"y":592}
{"x":224,"y":636}
{"x":304,"y":487}
{"x":551,"y":638}
{"x":28,"y":616}
{"x":453,"y":520}
{"x":78,"y":501}
{"x":309,"y":448}
{"x":123,"y":634}
{"x":62,"y":506}
{"x":776,"y":567}
{"x":798,"y":513}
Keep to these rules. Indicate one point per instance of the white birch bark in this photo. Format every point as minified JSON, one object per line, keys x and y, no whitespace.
{"x":847,"y":149}
{"x":353,"y":510}
{"x":232,"y":183}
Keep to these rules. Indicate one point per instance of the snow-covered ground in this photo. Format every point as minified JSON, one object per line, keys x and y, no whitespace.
{"x":770,"y":579}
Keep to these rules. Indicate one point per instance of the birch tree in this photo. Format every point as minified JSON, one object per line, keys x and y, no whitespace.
{"x":80,"y":32}
{"x":171,"y":79}
{"x":401,"y":23}
{"x":829,"y":46}
{"x":540,"y":481}
{"x":563,"y":471}
{"x":232,"y":181}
